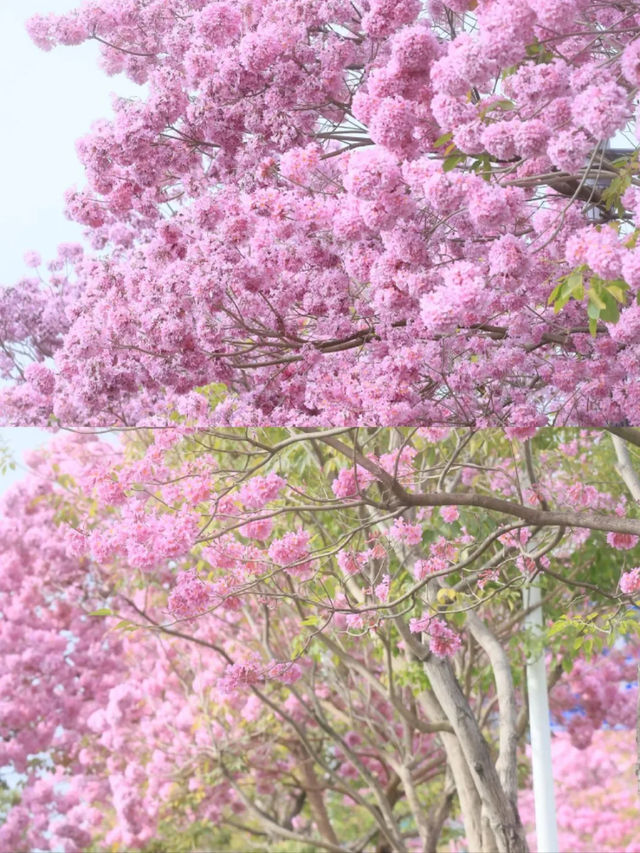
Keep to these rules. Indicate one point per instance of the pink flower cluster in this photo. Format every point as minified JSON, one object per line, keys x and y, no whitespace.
{"x":292,"y":552}
{"x":241,"y":675}
{"x":443,"y":641}
{"x":408,"y":534}
{"x":351,"y":481}
{"x":630,"y":581}
{"x":449,"y":513}
{"x":352,"y":562}
{"x":190,"y":596}
{"x":622,"y":541}
{"x":259,"y":491}
{"x":146,"y":539}
{"x":355,"y":239}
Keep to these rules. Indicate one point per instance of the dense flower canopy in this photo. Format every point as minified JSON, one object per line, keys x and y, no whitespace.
{"x":219,"y":636}
{"x":334,"y":212}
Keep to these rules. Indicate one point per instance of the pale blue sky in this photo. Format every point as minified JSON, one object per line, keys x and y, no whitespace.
{"x":19,"y":440}
{"x":48,"y":101}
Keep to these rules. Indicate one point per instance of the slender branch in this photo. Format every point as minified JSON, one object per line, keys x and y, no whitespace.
{"x":535,"y":517}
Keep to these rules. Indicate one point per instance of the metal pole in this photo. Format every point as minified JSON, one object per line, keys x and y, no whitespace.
{"x":540,"y":732}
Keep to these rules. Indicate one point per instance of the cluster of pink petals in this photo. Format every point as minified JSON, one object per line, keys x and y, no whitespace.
{"x":622,"y":541}
{"x":443,"y":641}
{"x":190,"y":596}
{"x":326,"y":260}
{"x":630,"y":581}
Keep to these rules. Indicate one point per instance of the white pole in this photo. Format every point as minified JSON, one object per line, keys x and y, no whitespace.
{"x":540,"y":732}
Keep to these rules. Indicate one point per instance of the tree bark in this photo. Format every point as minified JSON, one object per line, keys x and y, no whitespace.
{"x":315,"y":799}
{"x":506,"y":765}
{"x":501,"y":813}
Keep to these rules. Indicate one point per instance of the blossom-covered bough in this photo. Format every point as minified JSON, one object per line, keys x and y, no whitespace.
{"x":334,"y":212}
{"x":311,"y":637}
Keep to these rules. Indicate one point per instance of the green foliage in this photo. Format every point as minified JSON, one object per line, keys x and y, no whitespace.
{"x":540,"y":52}
{"x":576,"y":635}
{"x":627,"y":168}
{"x":9,"y":797}
{"x":452,"y":161}
{"x":7,"y":460}
{"x":603,"y":296}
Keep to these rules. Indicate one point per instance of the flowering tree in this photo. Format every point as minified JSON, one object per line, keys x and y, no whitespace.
{"x":596,"y":793}
{"x":329,"y":212}
{"x":305,"y":637}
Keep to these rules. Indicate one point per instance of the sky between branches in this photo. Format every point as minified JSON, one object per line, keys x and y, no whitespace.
{"x":49,"y":101}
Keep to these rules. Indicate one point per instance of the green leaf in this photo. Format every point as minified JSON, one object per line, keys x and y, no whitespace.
{"x":611,"y":312}
{"x":596,"y":303}
{"x":569,"y":286}
{"x":618,"y":289}
{"x":451,"y":162}
{"x":575,"y":284}
{"x":441,"y":140}
{"x":593,"y":310}
{"x":125,"y":625}
{"x":104,"y":611}
{"x":555,"y":292}
{"x":633,"y":239}
{"x":504,"y":104}
{"x":563,"y":297}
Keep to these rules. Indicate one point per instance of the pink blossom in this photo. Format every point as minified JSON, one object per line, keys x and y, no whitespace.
{"x":287,"y":672}
{"x":488,"y":576}
{"x":410,"y":534}
{"x":421,"y":624}
{"x":423,"y":568}
{"x":392,"y":123}
{"x":381,"y":590}
{"x":630,"y":63}
{"x":372,"y":172}
{"x":351,"y":481}
{"x":601,"y":109}
{"x":569,"y":150}
{"x":498,"y":139}
{"x":443,"y":642}
{"x":449,"y":513}
{"x":259,"y":491}
{"x":240,"y":675}
{"x":292,"y":548}
{"x":630,"y":581}
{"x":298,"y":164}
{"x":321,"y":265}
{"x":259,"y":529}
{"x":384,"y":16}
{"x":622,"y":541}
{"x":32,"y":259}
{"x":190,"y":596}
{"x":530,"y":137}
{"x":40,"y":377}
{"x":526,"y":565}
{"x":351,"y":563}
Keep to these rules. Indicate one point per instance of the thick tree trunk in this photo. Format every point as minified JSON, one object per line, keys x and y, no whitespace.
{"x":313,"y":790}
{"x":470,"y":803}
{"x":500,"y":811}
{"x":506,"y":765}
